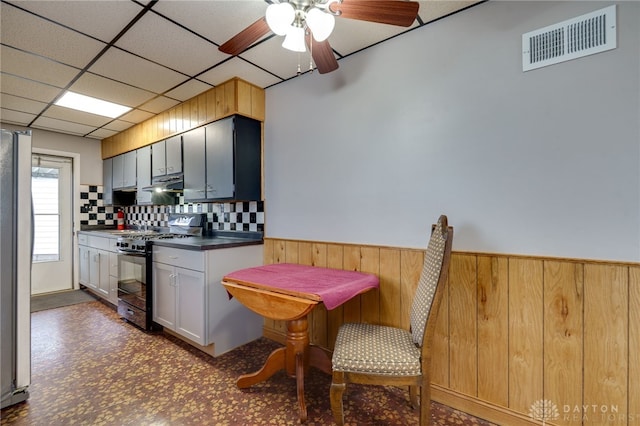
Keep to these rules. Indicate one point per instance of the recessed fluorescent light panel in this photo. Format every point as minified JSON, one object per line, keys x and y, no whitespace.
{"x":92,"y":105}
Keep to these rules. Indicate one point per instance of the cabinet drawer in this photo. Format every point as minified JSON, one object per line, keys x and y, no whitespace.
{"x":100,"y":243}
{"x":112,"y":244}
{"x":83,"y":239}
{"x":188,"y":259}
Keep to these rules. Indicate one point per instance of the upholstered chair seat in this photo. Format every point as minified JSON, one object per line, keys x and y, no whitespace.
{"x":380,"y":350}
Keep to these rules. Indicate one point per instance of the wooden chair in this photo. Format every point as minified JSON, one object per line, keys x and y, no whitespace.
{"x":379,"y":355}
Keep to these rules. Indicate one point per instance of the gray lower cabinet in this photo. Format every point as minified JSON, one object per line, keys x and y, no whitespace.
{"x":189,"y":299}
{"x":224,"y":161}
{"x":98,"y":268}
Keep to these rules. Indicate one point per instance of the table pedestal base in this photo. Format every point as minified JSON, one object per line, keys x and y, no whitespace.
{"x":296,"y":358}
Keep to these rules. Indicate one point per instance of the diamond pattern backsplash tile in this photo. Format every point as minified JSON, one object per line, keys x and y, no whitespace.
{"x":229,"y":216}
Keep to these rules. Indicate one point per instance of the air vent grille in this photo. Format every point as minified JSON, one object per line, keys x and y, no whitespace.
{"x":585,"y":35}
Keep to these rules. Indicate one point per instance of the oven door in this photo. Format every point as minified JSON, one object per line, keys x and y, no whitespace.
{"x":132,"y":280}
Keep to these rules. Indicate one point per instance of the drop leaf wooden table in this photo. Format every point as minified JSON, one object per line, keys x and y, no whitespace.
{"x":289,"y":292}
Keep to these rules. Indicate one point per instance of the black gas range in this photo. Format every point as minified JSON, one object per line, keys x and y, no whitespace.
{"x":135,"y":289}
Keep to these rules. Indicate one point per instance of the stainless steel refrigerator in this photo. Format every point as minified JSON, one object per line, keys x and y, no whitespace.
{"x":16,"y":241}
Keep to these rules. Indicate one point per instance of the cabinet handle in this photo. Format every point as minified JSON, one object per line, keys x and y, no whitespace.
{"x":173,"y":257}
{"x":169,"y":169}
{"x":161,"y":169}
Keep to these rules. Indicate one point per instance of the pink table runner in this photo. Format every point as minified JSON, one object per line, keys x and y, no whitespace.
{"x":333,"y":286}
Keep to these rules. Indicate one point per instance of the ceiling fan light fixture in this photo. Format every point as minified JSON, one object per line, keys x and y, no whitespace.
{"x":279,"y":17}
{"x":320,"y":23}
{"x":294,"y":40}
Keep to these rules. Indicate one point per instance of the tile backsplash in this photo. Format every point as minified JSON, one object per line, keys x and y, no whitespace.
{"x":228,"y":216}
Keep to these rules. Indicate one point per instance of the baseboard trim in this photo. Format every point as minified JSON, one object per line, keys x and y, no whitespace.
{"x":481,"y":409}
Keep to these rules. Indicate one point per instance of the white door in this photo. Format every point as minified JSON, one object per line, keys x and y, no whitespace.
{"x":51,"y":190}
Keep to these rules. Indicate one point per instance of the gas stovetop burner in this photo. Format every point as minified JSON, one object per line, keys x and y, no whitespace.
{"x":135,"y":243}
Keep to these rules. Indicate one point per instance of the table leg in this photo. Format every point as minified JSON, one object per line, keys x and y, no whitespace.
{"x":300,"y":387}
{"x":274,"y":363}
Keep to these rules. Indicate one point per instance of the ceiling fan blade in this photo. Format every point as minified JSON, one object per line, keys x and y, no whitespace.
{"x":245,"y":38}
{"x":393,"y":12}
{"x":322,"y":54}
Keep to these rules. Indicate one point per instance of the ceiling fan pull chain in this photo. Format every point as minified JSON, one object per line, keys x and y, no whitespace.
{"x":299,"y":72}
{"x":311,"y":54}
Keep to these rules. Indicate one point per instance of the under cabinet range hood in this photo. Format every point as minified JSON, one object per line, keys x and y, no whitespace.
{"x":172,"y":183}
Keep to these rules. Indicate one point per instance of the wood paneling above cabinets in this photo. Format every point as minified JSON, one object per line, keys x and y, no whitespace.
{"x":235,"y":96}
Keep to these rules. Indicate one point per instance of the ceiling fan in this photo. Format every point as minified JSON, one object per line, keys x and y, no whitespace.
{"x":308,"y":23}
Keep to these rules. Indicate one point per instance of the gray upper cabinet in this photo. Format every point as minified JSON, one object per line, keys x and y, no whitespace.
{"x":130,"y":169}
{"x":224,"y":161}
{"x":124,"y":170}
{"x":166,"y":157}
{"x":193,"y":151}
{"x":118,"y":171}
{"x":219,"y":154}
{"x":143,"y":158}
{"x":107,"y":182}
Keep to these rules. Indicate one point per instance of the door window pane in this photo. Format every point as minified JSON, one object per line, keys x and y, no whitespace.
{"x":44,"y":188}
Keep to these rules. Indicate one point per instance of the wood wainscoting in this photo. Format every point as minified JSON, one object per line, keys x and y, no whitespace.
{"x":514,"y":331}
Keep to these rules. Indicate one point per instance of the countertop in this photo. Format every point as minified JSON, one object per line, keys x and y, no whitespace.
{"x":211,"y":241}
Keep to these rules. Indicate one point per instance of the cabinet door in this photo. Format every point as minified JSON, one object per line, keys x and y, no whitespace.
{"x":130,"y":169}
{"x":193,"y":146}
{"x":173,"y":153}
{"x":118,"y":171}
{"x":85,"y":261}
{"x":247,"y":159}
{"x":219,"y":154}
{"x":143,"y":160}
{"x":94,"y":269}
{"x":113,"y":290}
{"x":158,"y":159}
{"x":190,"y":301}
{"x":107,"y":182}
{"x":103,"y":274}
{"x":164,"y":295}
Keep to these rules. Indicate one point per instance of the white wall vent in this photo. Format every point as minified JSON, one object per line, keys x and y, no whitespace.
{"x":581,"y":36}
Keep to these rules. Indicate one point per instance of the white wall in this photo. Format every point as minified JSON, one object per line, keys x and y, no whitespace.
{"x":89,"y":150}
{"x":443,"y":120}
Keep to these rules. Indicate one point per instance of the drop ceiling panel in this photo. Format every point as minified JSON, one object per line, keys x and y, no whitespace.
{"x":430,"y":10}
{"x":62,"y":126}
{"x":36,"y":67}
{"x":98,"y":18}
{"x":46,"y":38}
{"x":75,"y":116}
{"x":159,"y":104}
{"x":277,"y":60}
{"x":350,"y":35}
{"x":16,"y":117}
{"x":163,"y":42}
{"x":188,"y":90}
{"x":218,"y":21}
{"x":118,"y":125}
{"x":236,"y":67}
{"x":138,"y":72}
{"x":21,"y":104}
{"x":29,"y":89}
{"x":110,"y":90}
{"x":102,"y":133}
{"x":136,"y":116}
